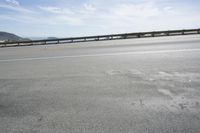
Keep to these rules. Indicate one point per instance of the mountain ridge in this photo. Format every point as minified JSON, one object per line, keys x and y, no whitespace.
{"x":7,"y":37}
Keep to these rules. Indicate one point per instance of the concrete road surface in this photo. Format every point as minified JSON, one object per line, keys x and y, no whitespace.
{"x":147,"y":85}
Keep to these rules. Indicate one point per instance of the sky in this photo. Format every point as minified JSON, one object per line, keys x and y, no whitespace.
{"x":67,"y":18}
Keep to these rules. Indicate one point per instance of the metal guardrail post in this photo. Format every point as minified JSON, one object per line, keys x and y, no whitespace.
{"x":125,"y":36}
{"x":167,"y":33}
{"x":183,"y":32}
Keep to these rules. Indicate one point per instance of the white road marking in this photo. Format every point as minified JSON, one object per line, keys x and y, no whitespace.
{"x":99,"y":55}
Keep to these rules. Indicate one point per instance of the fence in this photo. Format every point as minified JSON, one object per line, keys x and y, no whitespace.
{"x":102,"y":37}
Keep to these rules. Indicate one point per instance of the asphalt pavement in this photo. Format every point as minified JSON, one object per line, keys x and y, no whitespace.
{"x":147,"y":85}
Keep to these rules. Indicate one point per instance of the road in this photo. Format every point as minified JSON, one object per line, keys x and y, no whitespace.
{"x":148,"y":85}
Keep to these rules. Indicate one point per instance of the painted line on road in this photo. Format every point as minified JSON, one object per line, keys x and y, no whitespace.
{"x":99,"y":55}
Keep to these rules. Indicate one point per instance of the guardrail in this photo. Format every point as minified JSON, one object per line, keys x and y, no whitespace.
{"x":102,"y":37}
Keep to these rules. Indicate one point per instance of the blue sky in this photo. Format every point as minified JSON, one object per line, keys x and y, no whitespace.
{"x":66,"y":18}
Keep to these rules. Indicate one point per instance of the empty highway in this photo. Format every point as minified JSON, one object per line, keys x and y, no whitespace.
{"x":147,"y":85}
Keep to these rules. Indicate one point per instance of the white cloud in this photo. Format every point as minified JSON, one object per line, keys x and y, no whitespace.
{"x":17,"y":8}
{"x":141,"y":16}
{"x":137,"y":10}
{"x":89,"y":7}
{"x":167,"y":8}
{"x":56,"y":10}
{"x":41,"y":20}
{"x":75,"y":21}
{"x":57,"y":15}
{"x":13,"y":2}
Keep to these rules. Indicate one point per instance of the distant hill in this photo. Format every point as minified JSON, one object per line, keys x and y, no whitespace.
{"x":5,"y":36}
